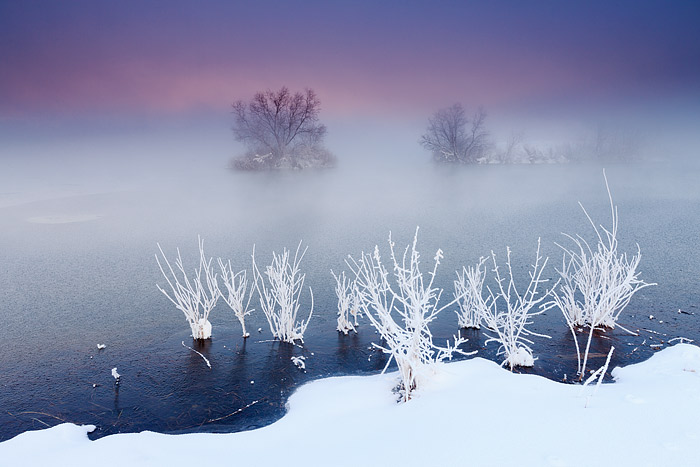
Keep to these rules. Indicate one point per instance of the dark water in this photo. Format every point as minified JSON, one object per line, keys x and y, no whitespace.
{"x":66,"y":287}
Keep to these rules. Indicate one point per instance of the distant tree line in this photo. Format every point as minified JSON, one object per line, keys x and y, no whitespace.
{"x":282,"y":130}
{"x":453,"y":137}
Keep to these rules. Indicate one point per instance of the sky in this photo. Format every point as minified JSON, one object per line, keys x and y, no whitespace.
{"x":95,"y":60}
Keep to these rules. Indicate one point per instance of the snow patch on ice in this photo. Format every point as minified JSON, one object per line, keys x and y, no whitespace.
{"x":299,"y":362}
{"x":201,"y":329}
{"x":521,"y":357}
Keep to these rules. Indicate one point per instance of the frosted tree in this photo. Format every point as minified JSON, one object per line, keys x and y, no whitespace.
{"x":280,"y":294}
{"x":597,"y":282}
{"x":510,"y":312}
{"x":281,"y":129}
{"x":195,"y":296}
{"x":236,"y":290}
{"x":451,"y":136}
{"x":401,"y":313}
{"x":469,"y":294}
{"x":347,"y":303}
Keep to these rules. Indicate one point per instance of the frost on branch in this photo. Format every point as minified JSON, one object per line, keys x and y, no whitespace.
{"x":347,"y":303}
{"x":509,"y":312}
{"x":600,"y":374}
{"x":401,"y":313}
{"x":195,"y":297}
{"x":468,"y":292}
{"x":236,"y":290}
{"x":280,"y":294}
{"x":596,"y":283}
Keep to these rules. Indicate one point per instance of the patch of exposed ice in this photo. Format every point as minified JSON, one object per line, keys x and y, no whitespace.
{"x":63,"y":219}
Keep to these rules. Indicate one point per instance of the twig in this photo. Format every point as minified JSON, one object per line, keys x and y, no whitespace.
{"x":682,"y":339}
{"x":232,"y":413}
{"x":605,"y":368}
{"x":38,"y":413}
{"x":42,"y":422}
{"x":600,"y":374}
{"x":198,"y":353}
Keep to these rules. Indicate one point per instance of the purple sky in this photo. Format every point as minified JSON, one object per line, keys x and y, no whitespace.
{"x":389,"y":59}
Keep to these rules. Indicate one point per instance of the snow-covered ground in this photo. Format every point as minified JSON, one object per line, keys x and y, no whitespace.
{"x":472,"y":412}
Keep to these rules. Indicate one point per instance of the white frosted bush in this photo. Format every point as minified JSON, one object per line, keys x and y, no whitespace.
{"x":236,"y":290}
{"x":280,"y":294}
{"x":355,"y":308}
{"x":469,"y":294}
{"x":596,"y":283}
{"x":195,"y":297}
{"x":402,"y":312}
{"x":509,"y":312}
{"x":347,"y":303}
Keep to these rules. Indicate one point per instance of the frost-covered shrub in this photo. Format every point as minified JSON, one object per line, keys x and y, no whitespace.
{"x":236,"y":290}
{"x":597,"y":282}
{"x":468,"y":292}
{"x":280,"y":297}
{"x":195,"y":297}
{"x":509,"y":313}
{"x":347,"y":303}
{"x":402,"y":312}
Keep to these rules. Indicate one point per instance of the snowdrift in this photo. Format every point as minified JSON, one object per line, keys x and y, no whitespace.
{"x":472,"y":412}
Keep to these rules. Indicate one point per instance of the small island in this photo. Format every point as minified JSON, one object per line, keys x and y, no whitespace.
{"x":281,"y":130}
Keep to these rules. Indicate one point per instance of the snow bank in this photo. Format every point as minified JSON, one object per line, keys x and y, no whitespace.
{"x":472,"y":412}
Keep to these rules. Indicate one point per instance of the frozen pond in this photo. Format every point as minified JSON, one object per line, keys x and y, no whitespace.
{"x":77,"y":269}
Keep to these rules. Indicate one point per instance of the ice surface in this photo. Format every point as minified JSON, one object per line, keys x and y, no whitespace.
{"x":63,"y":219}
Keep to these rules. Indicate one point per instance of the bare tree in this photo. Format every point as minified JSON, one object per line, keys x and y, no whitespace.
{"x":452,"y":137}
{"x":477,"y":137}
{"x":281,"y":128}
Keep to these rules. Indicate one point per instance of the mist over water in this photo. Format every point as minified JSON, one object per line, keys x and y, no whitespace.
{"x":80,"y":219}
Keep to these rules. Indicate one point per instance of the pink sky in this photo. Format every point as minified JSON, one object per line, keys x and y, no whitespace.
{"x":389,"y":59}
